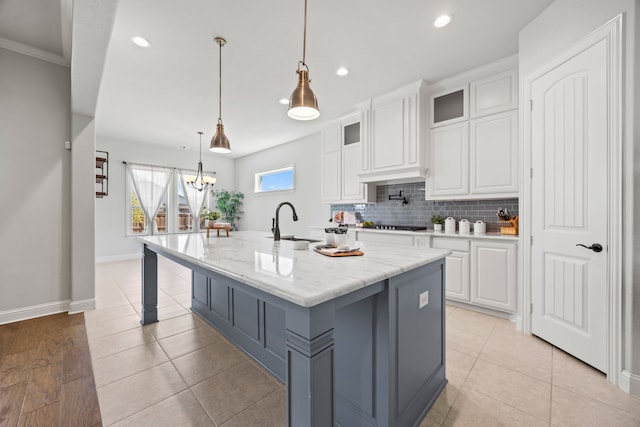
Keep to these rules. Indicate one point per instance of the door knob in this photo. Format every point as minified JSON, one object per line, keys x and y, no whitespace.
{"x":596,"y":247}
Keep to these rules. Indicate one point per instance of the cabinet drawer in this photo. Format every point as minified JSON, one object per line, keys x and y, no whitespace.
{"x":453,"y":244}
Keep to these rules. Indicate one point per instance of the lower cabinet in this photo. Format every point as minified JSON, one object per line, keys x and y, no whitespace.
{"x":481,"y":272}
{"x":456,"y":268}
{"x":493,"y":274}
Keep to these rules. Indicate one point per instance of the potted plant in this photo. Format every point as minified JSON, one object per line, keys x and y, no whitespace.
{"x":437,"y":222}
{"x":210,"y":216}
{"x":229,"y":203}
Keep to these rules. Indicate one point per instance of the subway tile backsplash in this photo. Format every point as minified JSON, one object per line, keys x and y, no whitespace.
{"x":418,"y":211}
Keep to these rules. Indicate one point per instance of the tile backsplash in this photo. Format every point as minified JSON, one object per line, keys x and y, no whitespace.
{"x":418,"y":211}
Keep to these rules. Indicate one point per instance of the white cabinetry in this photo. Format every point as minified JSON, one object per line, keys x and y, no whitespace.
{"x":494,"y":94}
{"x":450,"y":106}
{"x":449,"y":172}
{"x":493,"y":154}
{"x":493,"y":274}
{"x":456,"y":267}
{"x":341,"y":157}
{"x":478,"y":157}
{"x":396,"y":147}
{"x":480,"y":272}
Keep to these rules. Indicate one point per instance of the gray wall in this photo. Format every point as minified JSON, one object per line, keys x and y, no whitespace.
{"x":563,"y":23}
{"x":111,"y":242}
{"x":35,"y":183}
{"x":304,"y":154}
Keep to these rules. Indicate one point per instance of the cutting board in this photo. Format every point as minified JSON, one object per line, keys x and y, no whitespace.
{"x":339,"y":254}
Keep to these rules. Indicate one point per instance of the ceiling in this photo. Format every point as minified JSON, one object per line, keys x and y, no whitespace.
{"x":165,"y":94}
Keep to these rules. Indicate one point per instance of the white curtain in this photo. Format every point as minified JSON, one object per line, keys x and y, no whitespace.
{"x":150,"y":184}
{"x":195,"y":198}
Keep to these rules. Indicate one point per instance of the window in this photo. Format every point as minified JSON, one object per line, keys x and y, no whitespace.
{"x":275,"y":180}
{"x":159,"y":201}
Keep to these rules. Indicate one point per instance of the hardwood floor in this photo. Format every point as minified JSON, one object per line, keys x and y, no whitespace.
{"x":46,"y":378}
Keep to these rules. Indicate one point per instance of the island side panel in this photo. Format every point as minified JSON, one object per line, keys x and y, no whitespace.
{"x":149,"y":312}
{"x":416,"y":342}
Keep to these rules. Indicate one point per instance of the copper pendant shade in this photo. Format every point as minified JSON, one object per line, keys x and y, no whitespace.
{"x":220,"y":142}
{"x":303,"y":104}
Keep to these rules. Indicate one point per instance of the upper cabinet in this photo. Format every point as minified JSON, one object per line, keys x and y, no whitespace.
{"x":396,"y":135}
{"x":341,"y":162}
{"x":450,"y":106}
{"x":474,"y":139}
{"x":494,"y":94}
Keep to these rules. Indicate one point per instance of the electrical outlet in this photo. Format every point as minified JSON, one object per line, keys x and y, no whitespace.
{"x":424,"y":299}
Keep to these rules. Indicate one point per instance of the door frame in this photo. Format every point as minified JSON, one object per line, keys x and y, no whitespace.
{"x":612,"y":33}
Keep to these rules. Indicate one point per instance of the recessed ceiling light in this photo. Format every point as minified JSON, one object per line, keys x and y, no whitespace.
{"x":140,"y":41}
{"x":442,"y":21}
{"x":284,"y":101}
{"x":342,"y":71}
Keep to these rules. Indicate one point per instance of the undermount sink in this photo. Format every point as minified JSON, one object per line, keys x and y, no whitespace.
{"x":299,"y":243}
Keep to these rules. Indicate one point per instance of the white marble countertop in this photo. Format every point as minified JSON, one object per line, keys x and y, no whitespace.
{"x":432,"y":233}
{"x":303,"y":277}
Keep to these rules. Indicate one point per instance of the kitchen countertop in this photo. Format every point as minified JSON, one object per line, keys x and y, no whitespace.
{"x":303,"y":277}
{"x":488,"y":235}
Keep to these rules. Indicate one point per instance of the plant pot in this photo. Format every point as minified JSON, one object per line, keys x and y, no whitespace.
{"x":437,"y":227}
{"x":211,"y":222}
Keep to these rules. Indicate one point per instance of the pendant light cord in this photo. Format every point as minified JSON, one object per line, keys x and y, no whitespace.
{"x":220,"y":82}
{"x":304,"y":38}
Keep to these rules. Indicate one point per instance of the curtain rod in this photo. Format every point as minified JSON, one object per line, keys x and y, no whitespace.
{"x":159,"y":166}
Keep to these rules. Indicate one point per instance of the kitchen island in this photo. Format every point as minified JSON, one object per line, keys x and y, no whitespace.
{"x":357,"y":340}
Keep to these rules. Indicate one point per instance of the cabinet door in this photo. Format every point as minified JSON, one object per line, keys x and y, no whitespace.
{"x":331,"y":166}
{"x":450,"y":106}
{"x":494,"y":94}
{"x":493,"y":274}
{"x":457,"y":276}
{"x":387,"y":136}
{"x":448,"y":173}
{"x":351,"y":187}
{"x":494,"y":154}
{"x":331,"y":170}
{"x":331,"y":139}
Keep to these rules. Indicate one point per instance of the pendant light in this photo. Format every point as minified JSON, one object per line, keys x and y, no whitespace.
{"x":200,"y":182}
{"x":220,"y":142}
{"x":303,"y":104}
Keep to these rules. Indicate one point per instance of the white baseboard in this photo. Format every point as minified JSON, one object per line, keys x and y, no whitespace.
{"x":24,"y":313}
{"x":115,"y":258}
{"x":630,"y":383}
{"x":82,"y":305}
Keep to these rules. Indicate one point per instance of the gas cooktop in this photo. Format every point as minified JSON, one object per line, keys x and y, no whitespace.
{"x":400,"y":227}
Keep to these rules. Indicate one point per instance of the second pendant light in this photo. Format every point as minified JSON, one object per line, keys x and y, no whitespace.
{"x":220,"y":142}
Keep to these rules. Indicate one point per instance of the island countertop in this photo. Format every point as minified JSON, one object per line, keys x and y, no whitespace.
{"x":303,"y":277}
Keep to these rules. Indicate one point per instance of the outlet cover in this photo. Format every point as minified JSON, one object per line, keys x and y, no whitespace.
{"x":424,"y":299}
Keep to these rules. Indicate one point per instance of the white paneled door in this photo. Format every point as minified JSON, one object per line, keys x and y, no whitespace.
{"x":569,"y":146}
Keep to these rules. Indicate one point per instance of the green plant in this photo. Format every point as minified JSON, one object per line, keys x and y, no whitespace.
{"x":229,"y":203}
{"x":210,"y":215}
{"x":437,"y":219}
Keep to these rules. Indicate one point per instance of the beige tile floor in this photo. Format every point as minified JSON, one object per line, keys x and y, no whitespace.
{"x":181,"y":372}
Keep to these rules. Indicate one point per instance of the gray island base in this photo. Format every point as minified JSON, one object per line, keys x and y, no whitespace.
{"x":358,"y":341}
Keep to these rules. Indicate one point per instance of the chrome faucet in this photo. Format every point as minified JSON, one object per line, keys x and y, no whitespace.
{"x":276,"y":221}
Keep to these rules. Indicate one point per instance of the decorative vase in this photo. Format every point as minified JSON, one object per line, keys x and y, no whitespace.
{"x":211,"y":222}
{"x":437,"y":227}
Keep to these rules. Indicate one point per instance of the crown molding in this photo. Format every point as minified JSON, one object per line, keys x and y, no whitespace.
{"x":34,"y":52}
